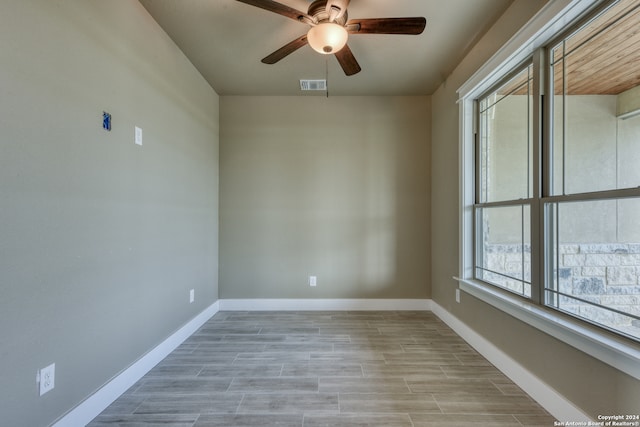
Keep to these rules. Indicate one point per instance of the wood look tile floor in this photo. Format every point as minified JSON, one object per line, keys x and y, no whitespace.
{"x":308,"y":369}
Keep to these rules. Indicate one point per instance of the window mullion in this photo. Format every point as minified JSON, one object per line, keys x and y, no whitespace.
{"x":539,"y":70}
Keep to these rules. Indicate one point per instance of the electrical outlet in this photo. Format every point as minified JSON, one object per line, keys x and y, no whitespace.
{"x":458,"y":296}
{"x":192,"y":296}
{"x":47,"y":377}
{"x":312,"y":280}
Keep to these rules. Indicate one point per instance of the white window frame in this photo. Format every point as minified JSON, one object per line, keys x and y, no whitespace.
{"x":552,"y":19}
{"x":531,"y":201}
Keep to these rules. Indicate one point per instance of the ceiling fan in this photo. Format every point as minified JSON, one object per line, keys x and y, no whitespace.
{"x":330,"y":29}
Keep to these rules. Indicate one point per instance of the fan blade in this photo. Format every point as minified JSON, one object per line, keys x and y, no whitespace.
{"x":412,"y":26}
{"x":347,"y":61}
{"x":285,"y":50}
{"x":280,"y":9}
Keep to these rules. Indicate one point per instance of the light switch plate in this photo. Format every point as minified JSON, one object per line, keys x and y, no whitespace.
{"x":138,"y":136}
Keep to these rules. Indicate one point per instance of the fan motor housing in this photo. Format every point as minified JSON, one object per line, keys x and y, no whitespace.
{"x":318,"y":9}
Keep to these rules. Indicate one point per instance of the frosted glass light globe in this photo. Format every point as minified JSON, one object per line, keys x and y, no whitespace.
{"x":327,"y":37}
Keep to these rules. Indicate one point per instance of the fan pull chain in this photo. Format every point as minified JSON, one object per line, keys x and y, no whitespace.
{"x":326,"y":74}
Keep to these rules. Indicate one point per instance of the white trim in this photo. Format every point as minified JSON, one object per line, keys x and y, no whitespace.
{"x":466,"y":192}
{"x":323,"y":304}
{"x":611,"y":350}
{"x":547,"y":397}
{"x":93,"y":405}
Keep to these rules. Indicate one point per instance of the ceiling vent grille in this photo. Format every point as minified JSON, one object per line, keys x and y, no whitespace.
{"x":313,"y":85}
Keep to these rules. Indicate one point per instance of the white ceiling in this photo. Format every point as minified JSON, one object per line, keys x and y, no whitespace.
{"x":226,"y":40}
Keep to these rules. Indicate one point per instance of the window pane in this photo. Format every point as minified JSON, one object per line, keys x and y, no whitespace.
{"x":503,"y":254}
{"x":596,"y":77}
{"x":505,"y":141}
{"x":595,"y":262}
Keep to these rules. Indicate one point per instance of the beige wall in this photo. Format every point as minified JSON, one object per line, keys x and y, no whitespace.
{"x":593,"y":386}
{"x":334,"y":187}
{"x":100,"y":240}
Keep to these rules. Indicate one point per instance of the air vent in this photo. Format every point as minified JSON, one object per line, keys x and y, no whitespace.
{"x":313,"y":85}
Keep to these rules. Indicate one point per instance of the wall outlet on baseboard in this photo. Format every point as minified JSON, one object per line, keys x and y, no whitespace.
{"x":192,"y":295}
{"x":458,"y":296}
{"x":312,"y":280}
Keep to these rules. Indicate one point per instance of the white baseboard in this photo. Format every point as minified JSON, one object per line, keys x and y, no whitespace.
{"x":556,"y":404}
{"x":92,"y":406}
{"x":323,"y":304}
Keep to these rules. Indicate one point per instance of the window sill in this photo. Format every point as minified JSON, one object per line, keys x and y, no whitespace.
{"x":617,"y":352}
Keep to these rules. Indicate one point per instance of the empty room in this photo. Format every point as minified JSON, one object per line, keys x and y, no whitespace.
{"x":319,"y":213}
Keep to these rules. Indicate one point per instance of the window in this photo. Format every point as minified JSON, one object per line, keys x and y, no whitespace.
{"x":593,"y":205}
{"x":556,"y":200}
{"x":595,"y":261}
{"x":504,"y":174}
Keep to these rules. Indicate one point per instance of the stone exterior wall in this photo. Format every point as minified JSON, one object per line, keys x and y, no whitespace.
{"x":508,"y":260}
{"x":603,"y":274}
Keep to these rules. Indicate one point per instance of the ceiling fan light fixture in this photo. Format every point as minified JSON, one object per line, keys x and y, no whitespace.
{"x":327,"y":37}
